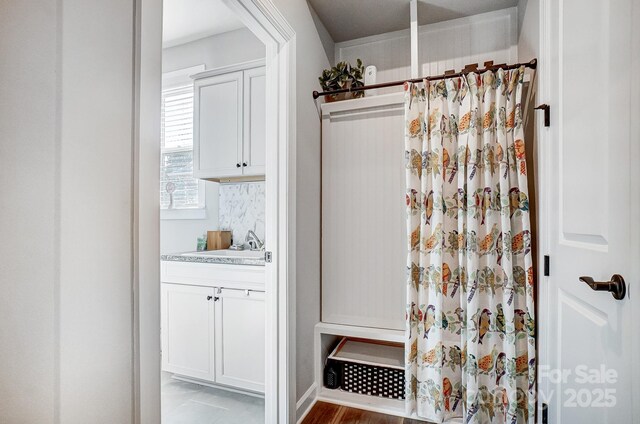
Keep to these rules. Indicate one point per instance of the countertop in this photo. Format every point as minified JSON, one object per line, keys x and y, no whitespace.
{"x":211,"y":257}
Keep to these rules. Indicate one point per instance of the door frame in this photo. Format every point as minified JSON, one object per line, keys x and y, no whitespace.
{"x":543,"y":140}
{"x":635,"y":200}
{"x":269,"y":25}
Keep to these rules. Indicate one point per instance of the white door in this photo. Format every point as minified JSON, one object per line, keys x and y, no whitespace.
{"x":217,"y":132}
{"x":240,"y":339}
{"x":255,"y":116}
{"x":588,"y":186}
{"x":187,"y":330}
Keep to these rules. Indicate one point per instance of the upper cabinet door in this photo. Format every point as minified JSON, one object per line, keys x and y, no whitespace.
{"x":254,"y":122}
{"x":218,"y":122}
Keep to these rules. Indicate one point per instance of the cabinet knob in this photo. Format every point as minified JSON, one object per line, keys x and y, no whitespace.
{"x":244,"y":163}
{"x":209,"y":297}
{"x":237,"y":165}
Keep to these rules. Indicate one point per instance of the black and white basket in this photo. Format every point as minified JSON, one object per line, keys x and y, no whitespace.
{"x":370,"y":367}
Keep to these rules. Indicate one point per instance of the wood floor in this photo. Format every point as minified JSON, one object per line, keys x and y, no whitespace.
{"x":328,"y":413}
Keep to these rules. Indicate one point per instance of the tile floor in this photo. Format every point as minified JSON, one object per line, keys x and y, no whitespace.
{"x":188,"y":403}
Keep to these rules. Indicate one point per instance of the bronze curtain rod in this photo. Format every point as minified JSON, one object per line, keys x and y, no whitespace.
{"x":532,"y":65}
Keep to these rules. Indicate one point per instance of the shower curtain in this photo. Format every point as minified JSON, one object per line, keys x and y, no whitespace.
{"x":470,"y":349}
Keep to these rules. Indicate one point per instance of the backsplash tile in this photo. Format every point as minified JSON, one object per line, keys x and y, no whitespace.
{"x":241,"y":208}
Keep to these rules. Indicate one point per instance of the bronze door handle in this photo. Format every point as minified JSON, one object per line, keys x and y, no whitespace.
{"x":617,"y":287}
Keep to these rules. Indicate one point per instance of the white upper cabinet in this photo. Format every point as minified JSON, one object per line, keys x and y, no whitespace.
{"x":217,"y":135}
{"x":229,"y":122}
{"x":253,"y":156}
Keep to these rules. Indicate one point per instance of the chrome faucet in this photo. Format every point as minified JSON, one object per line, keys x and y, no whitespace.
{"x":254,"y":242}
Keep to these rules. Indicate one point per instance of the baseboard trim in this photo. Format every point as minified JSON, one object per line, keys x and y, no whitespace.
{"x":306,"y":402}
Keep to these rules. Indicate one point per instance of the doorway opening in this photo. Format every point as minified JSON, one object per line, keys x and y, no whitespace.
{"x":252,"y":300}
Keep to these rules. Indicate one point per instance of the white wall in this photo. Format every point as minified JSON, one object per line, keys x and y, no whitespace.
{"x":216,"y":51}
{"x":229,"y":48}
{"x":528,"y":29}
{"x":181,"y":235}
{"x":442,"y":46}
{"x":96,"y":200}
{"x":28,"y":224}
{"x":67,"y":126}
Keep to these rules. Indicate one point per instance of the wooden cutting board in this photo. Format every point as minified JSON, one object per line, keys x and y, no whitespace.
{"x":217,"y":240}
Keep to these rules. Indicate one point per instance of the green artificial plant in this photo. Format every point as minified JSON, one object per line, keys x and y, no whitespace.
{"x":343,"y":75}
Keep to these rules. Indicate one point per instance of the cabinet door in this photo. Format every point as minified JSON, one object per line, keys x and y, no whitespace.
{"x":217,"y":132}
{"x":187,"y":330}
{"x":254,"y":122}
{"x":240,"y":339}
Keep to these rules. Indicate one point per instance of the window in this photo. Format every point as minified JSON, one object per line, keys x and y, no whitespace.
{"x":178,"y":189}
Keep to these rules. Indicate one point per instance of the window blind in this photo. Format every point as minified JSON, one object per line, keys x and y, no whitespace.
{"x":176,"y":164}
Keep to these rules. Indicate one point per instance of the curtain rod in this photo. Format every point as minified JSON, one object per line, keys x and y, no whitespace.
{"x":532,"y":65}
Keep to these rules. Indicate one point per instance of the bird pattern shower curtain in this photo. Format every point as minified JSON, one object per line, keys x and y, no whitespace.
{"x":470,"y":349}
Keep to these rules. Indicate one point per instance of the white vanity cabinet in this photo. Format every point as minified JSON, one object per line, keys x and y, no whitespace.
{"x":240,"y":339}
{"x":188,"y":330}
{"x":229,"y":122}
{"x":213,"y":323}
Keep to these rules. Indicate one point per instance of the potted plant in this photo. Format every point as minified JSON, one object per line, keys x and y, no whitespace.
{"x":343,"y":75}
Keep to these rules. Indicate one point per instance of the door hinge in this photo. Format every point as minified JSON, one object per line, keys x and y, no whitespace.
{"x":545,"y":413}
{"x":547,"y":113}
{"x":546,"y":265}
{"x":268,"y":257}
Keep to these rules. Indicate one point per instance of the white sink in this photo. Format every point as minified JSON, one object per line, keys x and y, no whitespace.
{"x":226,"y":253}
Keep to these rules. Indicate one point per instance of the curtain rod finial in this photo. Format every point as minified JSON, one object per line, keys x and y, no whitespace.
{"x":316,"y":94}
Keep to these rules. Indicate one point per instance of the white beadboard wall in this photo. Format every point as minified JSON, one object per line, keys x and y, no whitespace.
{"x":442,"y":46}
{"x":363,"y":212}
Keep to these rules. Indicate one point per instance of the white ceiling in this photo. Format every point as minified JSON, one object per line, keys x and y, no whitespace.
{"x":189,"y":20}
{"x":350,"y":19}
